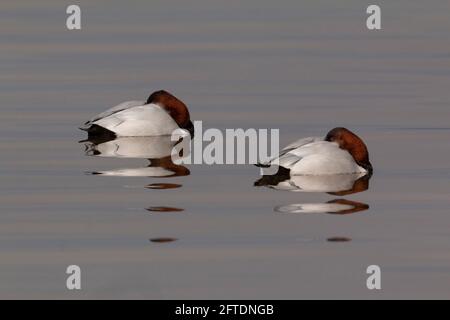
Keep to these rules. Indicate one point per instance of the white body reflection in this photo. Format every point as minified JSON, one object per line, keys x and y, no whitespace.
{"x":337,"y":206}
{"x":156,"y":149}
{"x":339,"y":183}
{"x":327,"y":183}
{"x":132,"y":147}
{"x":138,"y":172}
{"x":335,"y":184}
{"x":313,"y":208}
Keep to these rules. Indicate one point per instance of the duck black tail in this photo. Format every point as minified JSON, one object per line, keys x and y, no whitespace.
{"x":262,"y":165}
{"x":272,"y":180}
{"x":99,"y":134}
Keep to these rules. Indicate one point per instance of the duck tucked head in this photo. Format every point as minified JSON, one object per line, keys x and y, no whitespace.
{"x":176,"y":108}
{"x":349,"y":141}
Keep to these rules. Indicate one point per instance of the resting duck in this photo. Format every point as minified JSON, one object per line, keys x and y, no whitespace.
{"x":161,"y":114}
{"x":340,"y":152}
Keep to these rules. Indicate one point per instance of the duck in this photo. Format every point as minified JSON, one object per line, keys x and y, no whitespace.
{"x":340,"y":152}
{"x":161,"y":114}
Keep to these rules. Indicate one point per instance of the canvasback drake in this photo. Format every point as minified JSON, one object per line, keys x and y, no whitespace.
{"x":339,"y":152}
{"x":161,"y":114}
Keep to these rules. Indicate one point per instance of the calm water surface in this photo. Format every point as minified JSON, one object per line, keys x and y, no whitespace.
{"x":209,"y":233}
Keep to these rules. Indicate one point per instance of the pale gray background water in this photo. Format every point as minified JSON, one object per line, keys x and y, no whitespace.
{"x":300,"y":66}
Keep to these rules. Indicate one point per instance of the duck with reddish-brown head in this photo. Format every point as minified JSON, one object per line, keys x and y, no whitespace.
{"x":337,"y":163}
{"x":161,"y":114}
{"x":339,"y":152}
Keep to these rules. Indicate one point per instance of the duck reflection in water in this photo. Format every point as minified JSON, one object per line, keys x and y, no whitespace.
{"x":338,"y":185}
{"x":336,"y":206}
{"x":158,"y":150}
{"x":335,"y":184}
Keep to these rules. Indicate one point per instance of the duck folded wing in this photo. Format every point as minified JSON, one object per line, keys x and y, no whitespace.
{"x":314,"y":148}
{"x":147,"y":120}
{"x":299,"y":143}
{"x":120,"y":107}
{"x":284,"y":158}
{"x":321,"y":157}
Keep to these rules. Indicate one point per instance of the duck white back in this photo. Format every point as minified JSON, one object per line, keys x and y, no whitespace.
{"x":146,"y":120}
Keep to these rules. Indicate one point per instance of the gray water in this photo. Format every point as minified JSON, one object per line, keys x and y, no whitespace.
{"x":302,"y":67}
